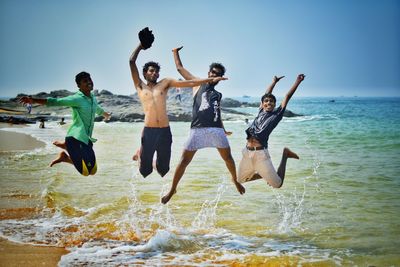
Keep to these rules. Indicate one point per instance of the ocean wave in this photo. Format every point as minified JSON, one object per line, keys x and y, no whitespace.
{"x":172,"y":249}
{"x":140,"y":237}
{"x":315,"y":117}
{"x":319,"y":117}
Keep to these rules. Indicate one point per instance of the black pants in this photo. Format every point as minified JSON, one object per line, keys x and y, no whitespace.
{"x":155,"y":139}
{"x":82,"y":155}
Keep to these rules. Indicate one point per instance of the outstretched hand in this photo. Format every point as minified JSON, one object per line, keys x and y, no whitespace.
{"x":276,"y":78}
{"x":176,"y":49}
{"x":107,"y":116}
{"x":217,"y":79}
{"x":25,"y":100}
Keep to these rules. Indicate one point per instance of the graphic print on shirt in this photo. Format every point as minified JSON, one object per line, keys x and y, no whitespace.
{"x":204,"y":103}
{"x":206,"y":108}
{"x":216,"y":108}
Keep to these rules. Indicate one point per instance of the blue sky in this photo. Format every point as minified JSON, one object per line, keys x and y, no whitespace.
{"x":345,"y":48}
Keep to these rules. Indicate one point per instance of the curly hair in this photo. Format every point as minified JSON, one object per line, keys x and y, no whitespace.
{"x":151,"y":64}
{"x":218,"y":66}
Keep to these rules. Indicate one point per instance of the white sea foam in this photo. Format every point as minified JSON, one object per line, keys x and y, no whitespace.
{"x":314,"y":117}
{"x":166,"y":248}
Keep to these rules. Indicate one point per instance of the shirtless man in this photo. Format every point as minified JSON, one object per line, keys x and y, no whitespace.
{"x":207,"y":129}
{"x":256,"y":161}
{"x":156,"y":135}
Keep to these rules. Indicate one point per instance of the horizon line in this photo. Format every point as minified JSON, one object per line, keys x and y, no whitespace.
{"x":247,"y":96}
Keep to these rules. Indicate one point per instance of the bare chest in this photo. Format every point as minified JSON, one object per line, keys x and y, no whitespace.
{"x":156,"y":95}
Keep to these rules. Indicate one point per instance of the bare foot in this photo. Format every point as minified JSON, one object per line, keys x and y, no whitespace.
{"x":240,"y":188}
{"x":60,"y":144}
{"x":290,"y":154}
{"x":62,"y":157}
{"x":167,"y":197}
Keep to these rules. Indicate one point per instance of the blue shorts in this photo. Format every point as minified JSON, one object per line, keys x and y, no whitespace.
{"x":155,"y":139}
{"x":82,"y":155}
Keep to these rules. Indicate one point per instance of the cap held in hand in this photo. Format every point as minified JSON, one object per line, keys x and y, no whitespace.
{"x":146,"y":38}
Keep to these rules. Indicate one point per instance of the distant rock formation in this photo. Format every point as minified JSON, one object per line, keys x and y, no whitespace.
{"x":124,"y":108}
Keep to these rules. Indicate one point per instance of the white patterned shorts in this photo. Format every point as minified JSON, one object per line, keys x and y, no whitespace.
{"x":206,"y":137}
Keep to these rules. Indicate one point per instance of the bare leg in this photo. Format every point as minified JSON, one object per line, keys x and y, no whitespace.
{"x":287,"y":153}
{"x":60,"y":144}
{"x":62,"y":157}
{"x":230,"y":164}
{"x":186,"y":158}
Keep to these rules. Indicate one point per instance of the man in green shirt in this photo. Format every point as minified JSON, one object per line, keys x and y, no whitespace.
{"x":79,"y":141}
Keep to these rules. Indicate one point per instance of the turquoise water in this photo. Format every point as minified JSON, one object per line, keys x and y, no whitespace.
{"x":339,"y":205}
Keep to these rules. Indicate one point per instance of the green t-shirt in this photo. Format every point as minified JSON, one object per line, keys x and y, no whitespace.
{"x":84,"y":109}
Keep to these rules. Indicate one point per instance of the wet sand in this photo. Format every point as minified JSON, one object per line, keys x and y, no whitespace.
{"x":16,"y":254}
{"x":12,"y":141}
{"x":11,"y":125}
{"x":12,"y":111}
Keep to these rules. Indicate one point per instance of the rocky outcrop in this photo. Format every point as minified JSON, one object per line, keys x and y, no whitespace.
{"x":125,"y":108}
{"x":230,"y":103}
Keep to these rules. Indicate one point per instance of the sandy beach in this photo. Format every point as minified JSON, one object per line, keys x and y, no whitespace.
{"x":11,"y":141}
{"x":16,"y":254}
{"x":12,"y":111}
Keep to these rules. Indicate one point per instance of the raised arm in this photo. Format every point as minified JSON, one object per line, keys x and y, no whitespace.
{"x":275,"y":80}
{"x":179,"y":66}
{"x":194,"y":82}
{"x":296,"y":84}
{"x":134,"y":70}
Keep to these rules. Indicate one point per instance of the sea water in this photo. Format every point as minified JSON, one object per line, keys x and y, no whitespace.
{"x":339,"y":205}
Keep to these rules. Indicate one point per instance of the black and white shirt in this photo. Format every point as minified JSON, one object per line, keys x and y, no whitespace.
{"x":206,"y":108}
{"x":263,"y":125}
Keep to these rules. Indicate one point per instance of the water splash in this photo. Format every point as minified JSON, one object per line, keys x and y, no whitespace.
{"x":207,"y":216}
{"x":135,"y":208}
{"x":291,"y":208}
{"x":161,"y":215}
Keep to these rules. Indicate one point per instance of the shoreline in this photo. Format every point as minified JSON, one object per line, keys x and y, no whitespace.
{"x":15,"y":141}
{"x":15,"y":253}
{"x":19,"y":254}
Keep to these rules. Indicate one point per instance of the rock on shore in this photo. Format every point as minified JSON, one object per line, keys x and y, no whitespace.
{"x":123,"y":107}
